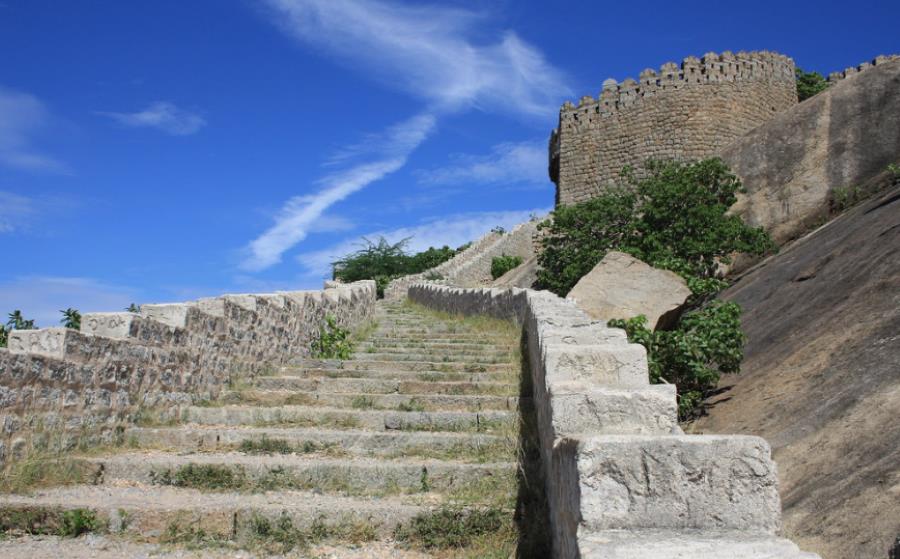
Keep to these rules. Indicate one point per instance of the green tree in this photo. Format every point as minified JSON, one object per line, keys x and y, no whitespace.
{"x":675,"y":219}
{"x":502,"y":264}
{"x":18,"y":322}
{"x":133,"y":308}
{"x":71,"y":319}
{"x":809,"y":84}
{"x":4,"y":336}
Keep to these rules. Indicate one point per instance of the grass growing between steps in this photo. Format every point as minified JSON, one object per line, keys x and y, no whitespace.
{"x":44,"y":521}
{"x":263,"y":535}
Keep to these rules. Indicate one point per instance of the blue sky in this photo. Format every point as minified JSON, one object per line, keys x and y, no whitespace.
{"x":166,"y":150}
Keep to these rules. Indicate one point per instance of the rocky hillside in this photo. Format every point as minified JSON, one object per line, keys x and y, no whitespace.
{"x":821,"y":379}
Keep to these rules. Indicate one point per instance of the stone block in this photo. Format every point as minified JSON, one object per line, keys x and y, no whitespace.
{"x":632,"y":482}
{"x":688,"y":544}
{"x":47,"y":342}
{"x":576,"y":408}
{"x":115,"y":325}
{"x":170,"y":314}
{"x":610,"y":364}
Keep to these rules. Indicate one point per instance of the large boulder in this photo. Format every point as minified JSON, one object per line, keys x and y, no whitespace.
{"x":622,"y":286}
{"x":524,"y":275}
{"x":840,"y":139}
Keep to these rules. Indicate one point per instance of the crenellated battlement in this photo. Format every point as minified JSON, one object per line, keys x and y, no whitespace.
{"x":712,"y":68}
{"x":680,"y":111}
{"x":854,"y":70}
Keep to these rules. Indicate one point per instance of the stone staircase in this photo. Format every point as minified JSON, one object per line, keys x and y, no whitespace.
{"x":423,"y":416}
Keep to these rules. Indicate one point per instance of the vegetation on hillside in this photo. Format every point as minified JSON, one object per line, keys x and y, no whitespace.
{"x":676,"y":219}
{"x":502,"y":264}
{"x":333,"y":342}
{"x":809,"y":84}
{"x":383,"y":261}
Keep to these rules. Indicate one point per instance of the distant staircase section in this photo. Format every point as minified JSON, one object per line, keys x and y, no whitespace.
{"x":622,"y":480}
{"x":472,"y":267}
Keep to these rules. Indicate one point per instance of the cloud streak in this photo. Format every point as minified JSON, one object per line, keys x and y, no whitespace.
{"x":428,"y":51}
{"x":508,"y":163}
{"x":299,"y":215}
{"x":22,"y":117}
{"x":162,"y":116}
{"x":41,"y":297}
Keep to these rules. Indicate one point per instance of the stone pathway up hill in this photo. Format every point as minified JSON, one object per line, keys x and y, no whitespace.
{"x":321,"y":452}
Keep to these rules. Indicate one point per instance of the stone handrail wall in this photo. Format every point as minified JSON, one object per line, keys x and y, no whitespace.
{"x":66,"y":381}
{"x":620,"y":475}
{"x":683,"y":111}
{"x":472,"y":267}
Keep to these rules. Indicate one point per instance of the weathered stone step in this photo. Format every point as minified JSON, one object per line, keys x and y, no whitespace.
{"x":686,"y":544}
{"x":474,"y":339}
{"x":260,"y":473}
{"x":360,"y":384}
{"x":373,"y":365}
{"x":464,"y":361}
{"x":336,"y":418}
{"x":463,"y":347}
{"x":401,"y":402}
{"x":396,"y":375}
{"x":154,"y":512}
{"x":464,"y":350}
{"x":475,"y":447}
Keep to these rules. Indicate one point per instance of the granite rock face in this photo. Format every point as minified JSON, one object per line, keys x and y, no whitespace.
{"x":838,"y":139}
{"x":622,"y":286}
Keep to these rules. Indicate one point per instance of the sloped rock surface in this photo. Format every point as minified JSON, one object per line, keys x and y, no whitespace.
{"x":821,"y":379}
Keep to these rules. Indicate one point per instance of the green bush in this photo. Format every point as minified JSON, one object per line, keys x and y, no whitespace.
{"x":674,"y":219}
{"x":706,"y":343}
{"x":71,"y":319}
{"x":334,"y":342}
{"x":4,"y":336}
{"x":809,"y":84}
{"x":383,"y":262}
{"x":502,"y":264}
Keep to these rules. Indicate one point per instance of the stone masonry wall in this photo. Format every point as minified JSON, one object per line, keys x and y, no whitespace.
{"x":684,"y":111}
{"x":621,"y":478}
{"x":72,"y":382}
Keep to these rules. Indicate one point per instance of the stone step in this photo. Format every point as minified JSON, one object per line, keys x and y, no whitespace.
{"x":337,"y":418}
{"x":436,"y":376}
{"x":507,"y":354}
{"x":463,"y":347}
{"x":471,"y":447}
{"x":373,"y":365}
{"x":480,"y":340}
{"x":401,"y":402}
{"x":465,"y":361}
{"x":351,"y":477}
{"x":154,"y":512}
{"x":687,"y":544}
{"x":356,"y":385}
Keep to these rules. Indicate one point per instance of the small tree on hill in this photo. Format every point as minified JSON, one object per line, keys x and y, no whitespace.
{"x":809,"y":84}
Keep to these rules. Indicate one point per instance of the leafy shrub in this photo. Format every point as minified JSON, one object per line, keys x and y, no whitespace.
{"x":382,"y":261}
{"x":451,"y":527}
{"x":674,"y":219}
{"x":76,"y":522}
{"x":4,"y":336}
{"x":502,"y":264}
{"x":706,"y":343}
{"x":334,"y":342}
{"x":809,"y":84}
{"x":18,"y":322}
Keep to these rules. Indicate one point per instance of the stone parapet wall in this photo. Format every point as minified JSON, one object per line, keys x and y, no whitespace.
{"x":164,"y":356}
{"x":834,"y":77}
{"x":472,"y":267}
{"x":683,"y":111}
{"x":619,"y":473}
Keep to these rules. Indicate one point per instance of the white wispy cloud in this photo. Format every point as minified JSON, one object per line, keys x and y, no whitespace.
{"x":428,"y":51}
{"x":42,"y":297}
{"x":15,"y":210}
{"x":453,"y":231}
{"x":163,"y":116}
{"x":22,"y":117}
{"x":299,"y":215}
{"x":508,"y":163}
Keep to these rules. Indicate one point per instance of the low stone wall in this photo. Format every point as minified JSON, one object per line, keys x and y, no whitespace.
{"x":472,"y":267}
{"x":75,"y":382}
{"x":618,"y":470}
